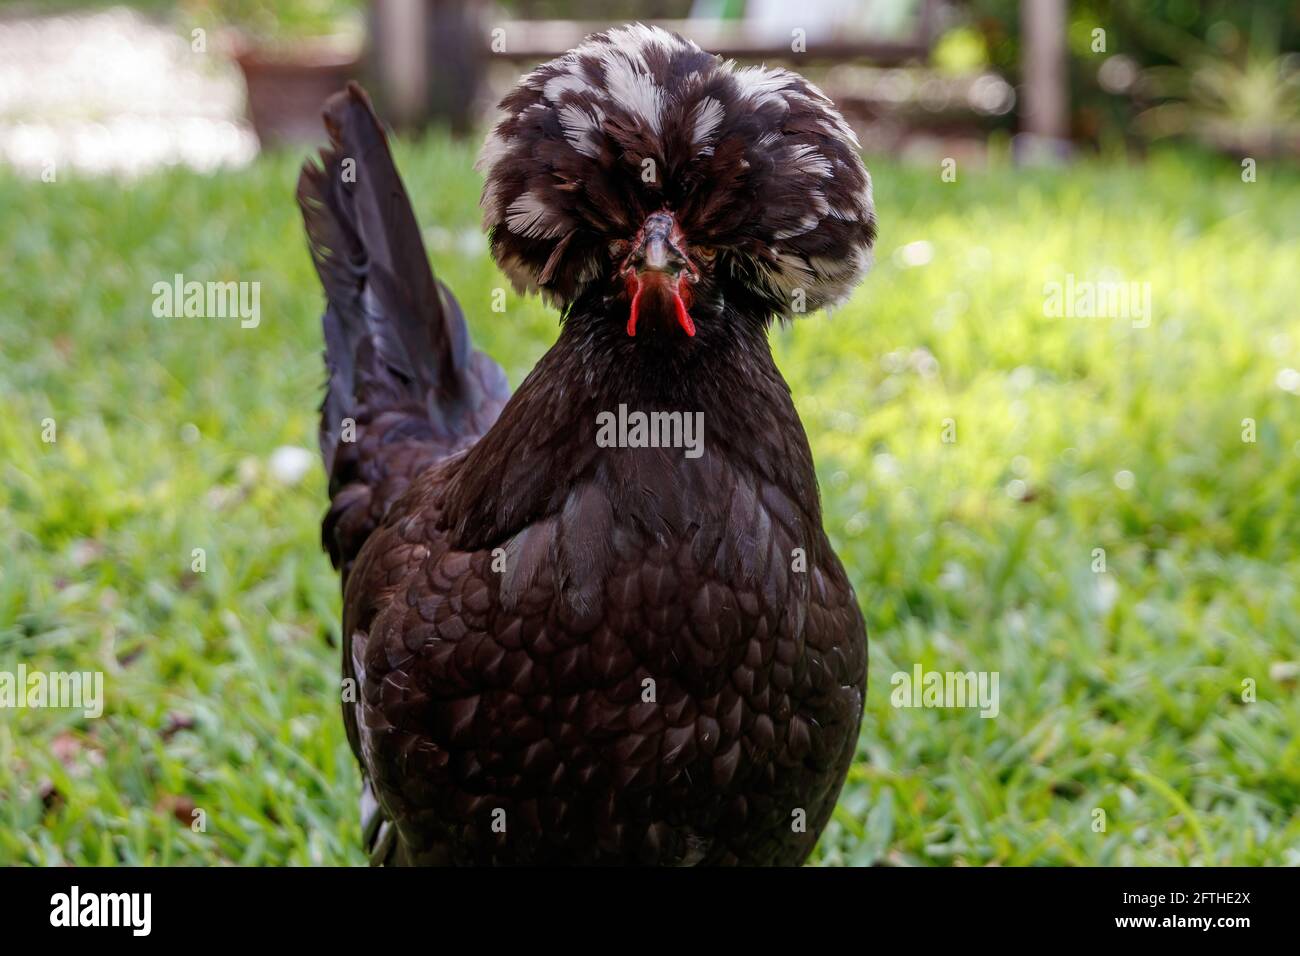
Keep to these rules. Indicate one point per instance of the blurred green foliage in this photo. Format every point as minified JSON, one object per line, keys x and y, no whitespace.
{"x":1120,"y":691}
{"x":1221,"y":40}
{"x":1150,"y":31}
{"x":271,"y":20}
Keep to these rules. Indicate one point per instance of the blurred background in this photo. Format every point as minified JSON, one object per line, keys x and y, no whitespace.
{"x":1095,"y":501}
{"x":203,"y":82}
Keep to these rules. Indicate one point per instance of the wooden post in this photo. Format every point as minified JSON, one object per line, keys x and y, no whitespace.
{"x":430,"y":59}
{"x":455,"y":45}
{"x":399,"y":59}
{"x":1045,"y":99}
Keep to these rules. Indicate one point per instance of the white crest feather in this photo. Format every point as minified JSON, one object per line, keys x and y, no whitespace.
{"x":529,"y":215}
{"x":708,"y":116}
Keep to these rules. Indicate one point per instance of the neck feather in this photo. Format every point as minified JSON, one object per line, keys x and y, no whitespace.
{"x":544,"y":445}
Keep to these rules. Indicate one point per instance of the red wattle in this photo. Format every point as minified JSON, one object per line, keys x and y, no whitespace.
{"x":683,"y":317}
{"x":631,"y":319}
{"x":681,"y":295}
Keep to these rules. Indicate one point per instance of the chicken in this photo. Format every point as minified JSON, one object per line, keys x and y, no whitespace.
{"x":573,"y":632}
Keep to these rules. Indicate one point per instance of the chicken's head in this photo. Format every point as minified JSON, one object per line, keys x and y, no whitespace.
{"x":639,"y":170}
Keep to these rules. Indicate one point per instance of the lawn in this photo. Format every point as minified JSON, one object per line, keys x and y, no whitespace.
{"x":973,"y":452}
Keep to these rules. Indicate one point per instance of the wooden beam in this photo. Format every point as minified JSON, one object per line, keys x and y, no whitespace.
{"x":533,"y":40}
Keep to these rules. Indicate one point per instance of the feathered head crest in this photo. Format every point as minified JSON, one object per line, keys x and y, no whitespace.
{"x":755,"y":163}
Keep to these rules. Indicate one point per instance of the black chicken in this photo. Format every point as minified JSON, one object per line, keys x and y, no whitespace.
{"x":562,"y":651}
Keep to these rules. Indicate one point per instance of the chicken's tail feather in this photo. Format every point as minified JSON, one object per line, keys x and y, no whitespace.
{"x":405,"y":389}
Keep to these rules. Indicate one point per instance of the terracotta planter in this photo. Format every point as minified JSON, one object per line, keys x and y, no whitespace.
{"x":289,"y":81}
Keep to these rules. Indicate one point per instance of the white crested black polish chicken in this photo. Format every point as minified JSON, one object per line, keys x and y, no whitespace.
{"x":564,"y":652}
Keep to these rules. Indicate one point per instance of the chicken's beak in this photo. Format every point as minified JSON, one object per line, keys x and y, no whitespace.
{"x":658,"y":273}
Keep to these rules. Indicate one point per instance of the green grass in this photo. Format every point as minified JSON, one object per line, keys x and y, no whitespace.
{"x":1120,"y":691}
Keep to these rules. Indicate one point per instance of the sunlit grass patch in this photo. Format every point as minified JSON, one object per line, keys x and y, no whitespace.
{"x":975,"y":454}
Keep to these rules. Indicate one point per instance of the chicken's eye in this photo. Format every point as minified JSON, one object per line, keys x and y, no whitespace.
{"x":706,"y":254}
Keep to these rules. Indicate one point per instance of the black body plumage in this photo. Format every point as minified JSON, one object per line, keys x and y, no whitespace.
{"x":565,"y":652}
